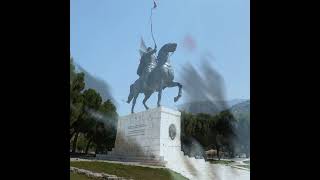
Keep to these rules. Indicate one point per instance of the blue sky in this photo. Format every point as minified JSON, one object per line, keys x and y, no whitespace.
{"x":105,"y":39}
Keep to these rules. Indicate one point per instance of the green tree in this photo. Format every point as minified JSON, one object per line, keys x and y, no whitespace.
{"x":210,"y":131}
{"x":76,"y":99}
{"x":90,"y":136}
{"x":195,"y":131}
{"x":243,"y":134}
{"x":86,"y":120}
{"x":106,"y":130}
{"x":102,"y":131}
{"x":225,"y":127}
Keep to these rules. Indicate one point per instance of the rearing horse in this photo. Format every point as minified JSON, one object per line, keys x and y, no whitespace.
{"x":161,"y":77}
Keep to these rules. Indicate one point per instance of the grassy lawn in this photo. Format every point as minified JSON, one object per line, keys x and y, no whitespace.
{"x":128,"y":171}
{"x":76,"y":176}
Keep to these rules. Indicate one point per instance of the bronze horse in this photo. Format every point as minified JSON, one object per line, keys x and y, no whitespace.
{"x":160,"y":78}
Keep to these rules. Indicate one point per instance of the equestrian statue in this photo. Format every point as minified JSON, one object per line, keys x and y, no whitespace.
{"x":155,"y":74}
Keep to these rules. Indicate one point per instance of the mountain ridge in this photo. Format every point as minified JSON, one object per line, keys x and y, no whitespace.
{"x":235,"y":106}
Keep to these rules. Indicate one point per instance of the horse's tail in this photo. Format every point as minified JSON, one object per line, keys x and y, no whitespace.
{"x":130,"y":97}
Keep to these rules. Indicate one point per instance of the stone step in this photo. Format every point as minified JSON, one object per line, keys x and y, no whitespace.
{"x":133,"y":159}
{"x":130,"y":157}
{"x":159,"y":161}
{"x":163,"y":163}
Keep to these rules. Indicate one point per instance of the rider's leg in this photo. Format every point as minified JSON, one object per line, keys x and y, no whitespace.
{"x":160,"y":94}
{"x":145,"y":78}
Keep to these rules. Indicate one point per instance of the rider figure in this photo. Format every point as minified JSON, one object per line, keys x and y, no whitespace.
{"x":147,"y":63}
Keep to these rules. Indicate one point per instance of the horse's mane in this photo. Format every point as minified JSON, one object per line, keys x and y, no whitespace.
{"x":162,"y":55}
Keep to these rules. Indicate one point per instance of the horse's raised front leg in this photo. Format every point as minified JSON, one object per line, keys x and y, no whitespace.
{"x":134,"y":103}
{"x":174,"y":84}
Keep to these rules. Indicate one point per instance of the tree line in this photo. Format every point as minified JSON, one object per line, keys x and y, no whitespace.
{"x":222,"y":132}
{"x":92,"y":121}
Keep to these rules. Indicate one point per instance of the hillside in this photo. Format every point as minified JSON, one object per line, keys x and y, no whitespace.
{"x":236,"y":106}
{"x":241,"y":110}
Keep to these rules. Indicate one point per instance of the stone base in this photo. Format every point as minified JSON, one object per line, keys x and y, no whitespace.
{"x":152,"y":137}
{"x":145,"y":136}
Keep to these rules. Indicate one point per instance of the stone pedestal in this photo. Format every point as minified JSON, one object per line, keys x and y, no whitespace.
{"x":151,"y":134}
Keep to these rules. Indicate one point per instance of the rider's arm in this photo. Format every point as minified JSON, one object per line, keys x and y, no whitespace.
{"x":152,"y":52}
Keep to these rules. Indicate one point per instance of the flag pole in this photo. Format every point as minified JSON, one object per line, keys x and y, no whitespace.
{"x":154,"y":6}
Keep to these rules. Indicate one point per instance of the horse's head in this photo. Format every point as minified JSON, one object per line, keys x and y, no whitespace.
{"x":169,"y":47}
{"x":164,"y":52}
